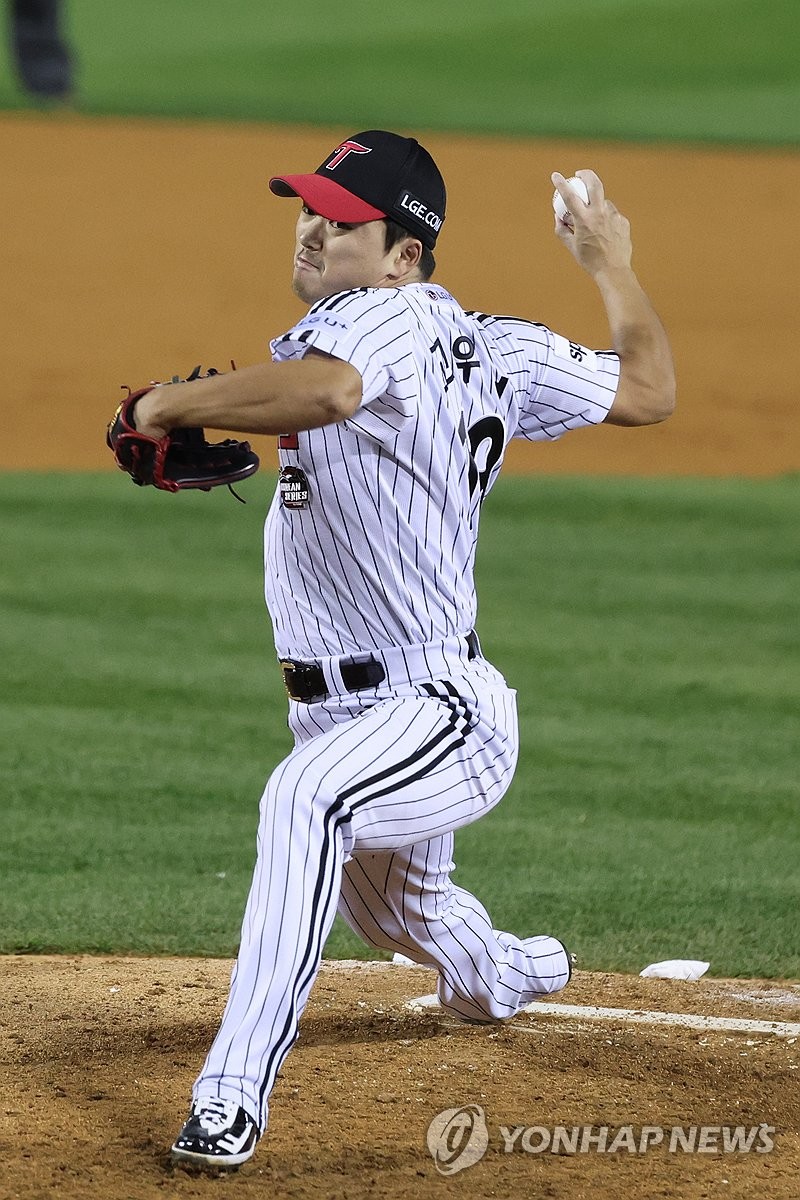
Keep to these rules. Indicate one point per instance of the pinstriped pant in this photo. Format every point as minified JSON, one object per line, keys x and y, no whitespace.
{"x":360,"y":816}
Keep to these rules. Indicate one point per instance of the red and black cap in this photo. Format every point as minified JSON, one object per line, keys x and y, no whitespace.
{"x":374,"y":175}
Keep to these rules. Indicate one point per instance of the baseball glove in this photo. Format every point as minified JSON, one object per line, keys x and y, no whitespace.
{"x":182,"y":458}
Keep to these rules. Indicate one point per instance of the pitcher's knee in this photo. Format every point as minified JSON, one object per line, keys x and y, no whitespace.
{"x":527,"y":970}
{"x":299,"y":787}
{"x":478,"y":1004}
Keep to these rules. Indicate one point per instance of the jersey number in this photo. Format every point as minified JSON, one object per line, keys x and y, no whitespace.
{"x":486,"y":441}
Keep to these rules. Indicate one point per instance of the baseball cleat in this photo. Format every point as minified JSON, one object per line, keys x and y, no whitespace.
{"x":218,"y":1134}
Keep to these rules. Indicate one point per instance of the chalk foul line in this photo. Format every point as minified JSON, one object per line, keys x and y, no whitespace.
{"x":589,"y":1012}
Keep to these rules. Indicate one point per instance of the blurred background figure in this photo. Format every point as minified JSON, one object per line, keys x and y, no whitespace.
{"x":44,"y":62}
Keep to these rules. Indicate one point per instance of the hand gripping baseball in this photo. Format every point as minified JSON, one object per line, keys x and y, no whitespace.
{"x":598,"y":236}
{"x":182,"y":458}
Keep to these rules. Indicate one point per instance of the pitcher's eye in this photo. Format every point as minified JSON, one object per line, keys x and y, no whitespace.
{"x":340,"y":225}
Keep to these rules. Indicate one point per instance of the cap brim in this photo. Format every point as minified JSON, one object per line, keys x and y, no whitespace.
{"x":327,"y":198}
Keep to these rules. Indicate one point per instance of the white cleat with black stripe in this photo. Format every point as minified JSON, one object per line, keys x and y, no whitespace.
{"x":218,"y":1134}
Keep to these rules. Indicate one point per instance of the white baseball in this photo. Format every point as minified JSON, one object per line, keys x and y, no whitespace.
{"x":560,"y":208}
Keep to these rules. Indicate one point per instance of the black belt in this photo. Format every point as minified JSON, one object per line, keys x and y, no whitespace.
{"x":306,"y":681}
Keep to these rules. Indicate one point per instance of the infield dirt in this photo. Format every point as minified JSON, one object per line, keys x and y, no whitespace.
{"x":134,"y":250}
{"x":99,"y":1055}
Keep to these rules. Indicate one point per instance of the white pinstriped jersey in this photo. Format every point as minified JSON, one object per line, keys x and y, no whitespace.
{"x":380,"y":549}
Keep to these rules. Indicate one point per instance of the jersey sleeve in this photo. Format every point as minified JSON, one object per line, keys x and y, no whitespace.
{"x":365,"y":327}
{"x":565,"y":385}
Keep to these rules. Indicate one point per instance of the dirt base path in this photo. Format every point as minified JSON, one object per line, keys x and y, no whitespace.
{"x":98,"y":1057}
{"x":134,"y":249}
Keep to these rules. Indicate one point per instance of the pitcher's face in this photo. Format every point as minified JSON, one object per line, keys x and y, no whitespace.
{"x":331,"y":256}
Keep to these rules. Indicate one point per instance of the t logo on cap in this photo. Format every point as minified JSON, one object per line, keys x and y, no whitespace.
{"x":343,"y":151}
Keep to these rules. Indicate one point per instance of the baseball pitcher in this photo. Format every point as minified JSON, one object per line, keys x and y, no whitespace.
{"x":393,"y":407}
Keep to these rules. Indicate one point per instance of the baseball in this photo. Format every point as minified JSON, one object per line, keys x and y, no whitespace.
{"x":560,"y":208}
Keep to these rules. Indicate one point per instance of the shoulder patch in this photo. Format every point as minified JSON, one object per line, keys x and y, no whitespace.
{"x":574,"y":353}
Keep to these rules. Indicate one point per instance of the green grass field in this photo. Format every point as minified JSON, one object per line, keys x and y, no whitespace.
{"x":698,"y":70}
{"x":650,"y":628}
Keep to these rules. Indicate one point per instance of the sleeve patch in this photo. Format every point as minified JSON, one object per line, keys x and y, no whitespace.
{"x":325,"y":321}
{"x":572,"y":352}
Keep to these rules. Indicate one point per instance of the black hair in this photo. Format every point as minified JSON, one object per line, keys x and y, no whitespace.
{"x":395,"y":233}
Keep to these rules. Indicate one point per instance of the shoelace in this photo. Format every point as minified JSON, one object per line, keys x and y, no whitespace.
{"x":215,"y":1114}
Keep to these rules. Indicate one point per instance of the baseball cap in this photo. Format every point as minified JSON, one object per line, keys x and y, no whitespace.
{"x":374,"y":175}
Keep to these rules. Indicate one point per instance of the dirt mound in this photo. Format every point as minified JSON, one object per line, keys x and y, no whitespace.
{"x":98,"y":1056}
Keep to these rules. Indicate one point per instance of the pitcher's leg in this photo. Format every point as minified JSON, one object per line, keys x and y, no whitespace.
{"x":289,"y":913}
{"x":406,"y":901}
{"x":395,"y":775}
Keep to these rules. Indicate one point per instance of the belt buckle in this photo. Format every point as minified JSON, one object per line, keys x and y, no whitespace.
{"x":295,"y":673}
